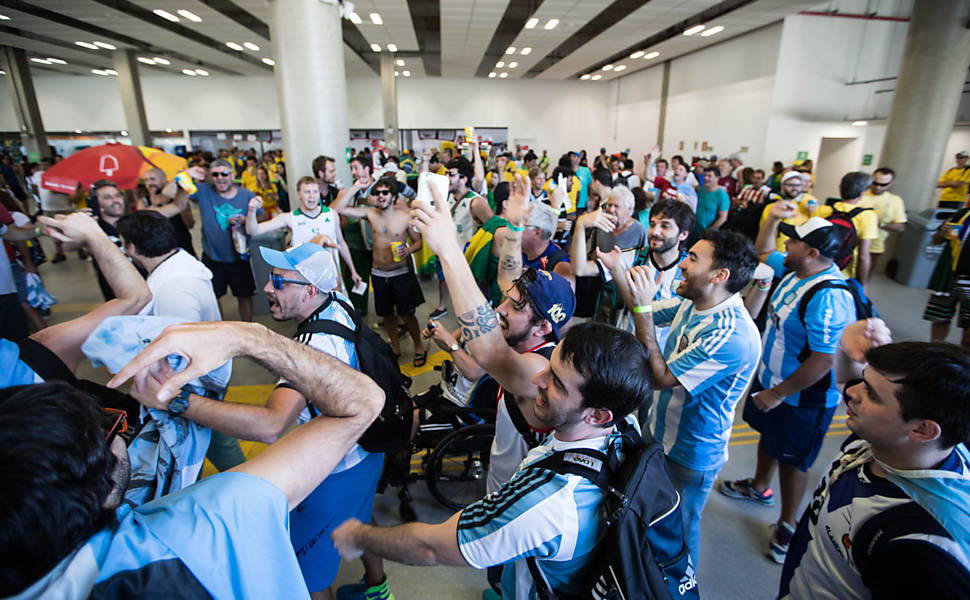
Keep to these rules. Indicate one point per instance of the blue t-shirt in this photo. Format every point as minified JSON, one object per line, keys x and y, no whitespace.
{"x":585,"y":178}
{"x":215,"y":212}
{"x":826,"y":315}
{"x":713,"y":353}
{"x":708,"y":205}
{"x":227,"y":534}
{"x":543,"y":261}
{"x":14,"y":371}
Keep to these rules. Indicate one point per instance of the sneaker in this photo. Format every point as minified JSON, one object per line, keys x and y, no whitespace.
{"x":742,"y":489}
{"x":780,"y":539}
{"x":360,"y":591}
{"x":438,"y":313}
{"x":59,"y":257}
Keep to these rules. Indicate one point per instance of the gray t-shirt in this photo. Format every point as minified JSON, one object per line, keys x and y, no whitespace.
{"x":634,"y":237}
{"x":215,"y":211}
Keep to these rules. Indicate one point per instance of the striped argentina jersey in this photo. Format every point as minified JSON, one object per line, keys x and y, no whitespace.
{"x":826,"y":315}
{"x":713,"y":353}
{"x":556,"y":518}
{"x":668,"y":280}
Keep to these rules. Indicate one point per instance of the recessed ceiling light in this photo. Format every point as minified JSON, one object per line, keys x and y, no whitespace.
{"x":492,"y":75}
{"x":251,"y":46}
{"x":189,"y":72}
{"x":651,"y":55}
{"x":399,"y":62}
{"x":77,"y":131}
{"x":87,"y":45}
{"x":392,"y":47}
{"x":375,"y":47}
{"x":269,"y":61}
{"x":526,"y":51}
{"x":859,"y":123}
{"x":105,"y":45}
{"x":3,"y":72}
{"x":124,"y":133}
{"x":235,"y":46}
{"x":191,"y":16}
{"x":531,"y":23}
{"x":637,"y":54}
{"x":712,"y":31}
{"x":397,"y":74}
{"x":510,"y":50}
{"x":42,"y":61}
{"x":111,"y":71}
{"x":168,"y":130}
{"x":513,"y":64}
{"x":355,"y":18}
{"x":202,"y":72}
{"x":596,"y":77}
{"x":161,"y":61}
{"x":99,"y":71}
{"x":407,"y":73}
{"x":619,"y":68}
{"x":146,"y":60}
{"x":376,"y":19}
{"x":503,"y":75}
{"x":585,"y":77}
{"x":500,"y":64}
{"x":4,"y":18}
{"x":166,"y":15}
{"x":607,"y":67}
{"x":551,"y":24}
{"x":56,"y":61}
{"x":694,"y":29}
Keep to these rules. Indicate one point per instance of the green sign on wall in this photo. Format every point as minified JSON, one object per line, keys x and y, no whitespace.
{"x":802,"y":155}
{"x":866,"y":160}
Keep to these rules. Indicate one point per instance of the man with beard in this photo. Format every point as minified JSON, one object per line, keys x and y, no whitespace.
{"x":325,"y":171}
{"x":166,"y":197}
{"x":704,"y":367}
{"x":593,"y":379}
{"x":807,"y":205}
{"x":393,"y":242}
{"x":222,"y":205}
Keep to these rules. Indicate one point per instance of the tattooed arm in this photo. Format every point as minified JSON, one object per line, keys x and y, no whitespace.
{"x":477,"y":320}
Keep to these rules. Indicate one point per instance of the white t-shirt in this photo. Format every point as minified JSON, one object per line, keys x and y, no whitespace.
{"x":50,"y":200}
{"x":181,"y":286}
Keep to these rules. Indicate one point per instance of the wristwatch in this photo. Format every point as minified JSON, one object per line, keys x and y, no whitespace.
{"x":454,"y":348}
{"x":179,"y":404}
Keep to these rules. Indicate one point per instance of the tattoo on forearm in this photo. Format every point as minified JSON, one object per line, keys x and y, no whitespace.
{"x":477,"y":322}
{"x":510,"y":262}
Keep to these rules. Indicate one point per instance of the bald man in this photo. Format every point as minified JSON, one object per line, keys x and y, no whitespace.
{"x":167,"y":198}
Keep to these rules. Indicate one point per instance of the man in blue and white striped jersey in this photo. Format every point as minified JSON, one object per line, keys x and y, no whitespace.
{"x":795,"y":395}
{"x":704,"y":367}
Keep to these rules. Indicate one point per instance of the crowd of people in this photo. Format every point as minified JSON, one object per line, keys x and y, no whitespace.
{"x":598,"y":295}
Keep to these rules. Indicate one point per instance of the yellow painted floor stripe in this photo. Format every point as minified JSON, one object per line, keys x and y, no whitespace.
{"x":434,"y":360}
{"x":749,"y":441}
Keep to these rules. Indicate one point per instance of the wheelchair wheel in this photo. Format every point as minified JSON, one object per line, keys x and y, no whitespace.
{"x":458,"y":466}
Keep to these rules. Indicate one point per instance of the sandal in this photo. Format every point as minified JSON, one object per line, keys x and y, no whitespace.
{"x":420,"y":359}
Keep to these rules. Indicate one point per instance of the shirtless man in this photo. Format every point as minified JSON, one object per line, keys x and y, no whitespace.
{"x":394,"y":286}
{"x":165,"y":193}
{"x":305,"y":223}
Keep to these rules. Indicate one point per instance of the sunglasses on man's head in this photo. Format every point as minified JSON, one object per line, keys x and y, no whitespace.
{"x":279,"y":280}
{"x":114,"y":422}
{"x":220,"y":173}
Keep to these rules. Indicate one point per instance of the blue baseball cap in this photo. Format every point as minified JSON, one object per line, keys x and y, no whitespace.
{"x":311,"y":261}
{"x":553,"y":295}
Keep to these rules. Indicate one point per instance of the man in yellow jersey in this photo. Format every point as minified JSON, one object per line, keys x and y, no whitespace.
{"x":889,"y":208}
{"x":793,"y":189}
{"x":955,"y":183}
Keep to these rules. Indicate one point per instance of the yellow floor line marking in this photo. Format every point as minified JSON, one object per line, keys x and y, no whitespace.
{"x":746,"y":442}
{"x":434,"y":360}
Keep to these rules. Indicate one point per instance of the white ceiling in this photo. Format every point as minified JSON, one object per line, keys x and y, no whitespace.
{"x":467,"y":28}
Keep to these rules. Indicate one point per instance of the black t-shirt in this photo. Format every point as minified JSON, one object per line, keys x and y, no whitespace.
{"x":112,"y":232}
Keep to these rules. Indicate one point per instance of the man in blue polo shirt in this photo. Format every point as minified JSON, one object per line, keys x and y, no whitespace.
{"x":706,"y":364}
{"x":795,"y":396}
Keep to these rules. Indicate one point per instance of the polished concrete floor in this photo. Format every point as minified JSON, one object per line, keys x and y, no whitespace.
{"x":734,"y":534}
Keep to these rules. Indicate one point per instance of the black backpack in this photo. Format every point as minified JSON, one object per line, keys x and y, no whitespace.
{"x":843,"y":221}
{"x":644,"y":553}
{"x":746,"y":221}
{"x":391,"y":430}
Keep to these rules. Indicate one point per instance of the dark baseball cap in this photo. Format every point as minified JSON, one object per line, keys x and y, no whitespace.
{"x":554,"y":297}
{"x":817,"y":233}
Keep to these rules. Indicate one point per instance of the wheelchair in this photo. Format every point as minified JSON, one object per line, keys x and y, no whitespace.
{"x":450,"y":448}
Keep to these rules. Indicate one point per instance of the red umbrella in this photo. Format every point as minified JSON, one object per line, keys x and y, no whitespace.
{"x":119,"y":163}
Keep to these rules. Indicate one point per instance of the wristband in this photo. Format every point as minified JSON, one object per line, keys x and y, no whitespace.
{"x":764,"y":288}
{"x":516,"y":228}
{"x":643,"y":309}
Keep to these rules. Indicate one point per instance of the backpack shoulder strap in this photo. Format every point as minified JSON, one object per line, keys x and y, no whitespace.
{"x":518,"y":420}
{"x":591,"y":464}
{"x":818,"y":287}
{"x":855,"y":211}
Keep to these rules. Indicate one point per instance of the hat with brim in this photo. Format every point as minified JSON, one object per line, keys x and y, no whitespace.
{"x":315,"y":264}
{"x":790,"y":175}
{"x":554,"y":297}
{"x":817,"y":233}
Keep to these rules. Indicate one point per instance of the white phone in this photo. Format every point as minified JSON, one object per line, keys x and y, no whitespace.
{"x":627,"y":256}
{"x":424,"y":192}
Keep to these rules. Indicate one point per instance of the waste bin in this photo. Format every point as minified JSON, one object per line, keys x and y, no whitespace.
{"x":276,"y":240}
{"x":916,"y":253}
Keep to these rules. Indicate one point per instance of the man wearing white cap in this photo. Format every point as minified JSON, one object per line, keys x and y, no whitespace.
{"x":793,"y":189}
{"x":794,"y":395}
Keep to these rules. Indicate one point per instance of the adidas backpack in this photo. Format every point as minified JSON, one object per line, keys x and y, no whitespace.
{"x":843,"y":221}
{"x":391,"y":430}
{"x":644,"y":553}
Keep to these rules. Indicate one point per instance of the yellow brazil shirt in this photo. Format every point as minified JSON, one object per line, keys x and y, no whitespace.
{"x":572,"y":194}
{"x":890,"y":209}
{"x":954,"y":197}
{"x":866,"y":228}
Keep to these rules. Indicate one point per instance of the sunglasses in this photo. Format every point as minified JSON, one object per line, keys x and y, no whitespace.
{"x":115,"y":421}
{"x":278,"y":281}
{"x":220,"y":173}
{"x":383,"y":192}
{"x":877,"y":184}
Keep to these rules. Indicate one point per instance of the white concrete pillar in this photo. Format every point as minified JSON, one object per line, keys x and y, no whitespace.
{"x":21,"y":84}
{"x":126,"y":63}
{"x":389,"y":103}
{"x":311,"y":85}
